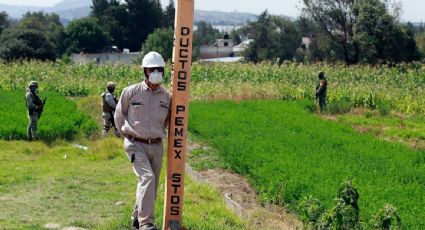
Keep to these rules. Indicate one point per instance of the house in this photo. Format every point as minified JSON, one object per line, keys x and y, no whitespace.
{"x":111,"y":55}
{"x":223,"y":47}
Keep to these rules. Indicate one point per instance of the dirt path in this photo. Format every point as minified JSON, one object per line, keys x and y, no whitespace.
{"x":243,"y":199}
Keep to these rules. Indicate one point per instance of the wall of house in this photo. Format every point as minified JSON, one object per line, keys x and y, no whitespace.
{"x":207,"y":52}
{"x":105,"y":58}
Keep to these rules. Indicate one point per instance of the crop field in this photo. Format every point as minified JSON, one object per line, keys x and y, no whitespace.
{"x":289,"y":153}
{"x":400,"y":88}
{"x":256,"y":118}
{"x":60,"y":119}
{"x":392,"y":127}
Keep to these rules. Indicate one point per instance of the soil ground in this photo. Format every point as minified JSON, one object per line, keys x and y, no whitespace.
{"x":242,"y":198}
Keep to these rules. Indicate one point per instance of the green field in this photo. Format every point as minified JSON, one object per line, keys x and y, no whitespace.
{"x":54,"y":181}
{"x":289,"y":153}
{"x":60,"y":119}
{"x":392,"y":127}
{"x":284,"y":150}
{"x":400,"y":88}
{"x":62,"y":184}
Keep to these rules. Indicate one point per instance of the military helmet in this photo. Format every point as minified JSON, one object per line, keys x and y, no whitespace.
{"x":110,"y":85}
{"x":33,"y":83}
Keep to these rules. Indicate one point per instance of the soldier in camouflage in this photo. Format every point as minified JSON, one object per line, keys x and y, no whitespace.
{"x":321,"y":88}
{"x":35,"y":107}
{"x":109,"y":104}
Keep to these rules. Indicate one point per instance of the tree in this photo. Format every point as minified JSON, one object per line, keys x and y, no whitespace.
{"x":236,"y":38}
{"x":4,"y":21}
{"x":403,"y":46}
{"x":112,"y":17}
{"x":169,"y":15}
{"x":337,"y":19}
{"x":274,"y":38}
{"x":16,"y":44}
{"x":307,"y":26}
{"x":161,"y":41}
{"x":288,"y":38}
{"x":381,"y":37}
{"x":99,"y":7}
{"x":321,"y":47}
{"x":115,"y":23}
{"x":420,"y":42}
{"x":145,"y":16}
{"x":85,"y":35}
{"x":49,"y":24}
{"x":206,"y":34}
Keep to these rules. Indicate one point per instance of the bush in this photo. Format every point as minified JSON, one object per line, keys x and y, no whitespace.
{"x":386,"y":219}
{"x":310,"y":106}
{"x":161,"y":41}
{"x":339,"y":107}
{"x":310,"y":210}
{"x":383,"y":108}
{"x":368,"y":114}
{"x":60,"y":119}
{"x":16,"y":44}
{"x":85,"y":35}
{"x":345,"y":215}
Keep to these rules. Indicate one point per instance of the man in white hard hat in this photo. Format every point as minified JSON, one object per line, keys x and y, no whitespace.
{"x":141,"y":116}
{"x":108,"y":109}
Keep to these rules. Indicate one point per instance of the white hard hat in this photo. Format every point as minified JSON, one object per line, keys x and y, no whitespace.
{"x":153,"y":59}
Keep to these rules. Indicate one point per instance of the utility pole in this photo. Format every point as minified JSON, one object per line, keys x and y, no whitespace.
{"x":177,"y":135}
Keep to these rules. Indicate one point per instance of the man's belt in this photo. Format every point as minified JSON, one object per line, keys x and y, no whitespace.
{"x":146,"y":141}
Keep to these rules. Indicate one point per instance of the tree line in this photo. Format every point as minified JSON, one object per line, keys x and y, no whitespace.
{"x":353,"y":31}
{"x":40,"y":35}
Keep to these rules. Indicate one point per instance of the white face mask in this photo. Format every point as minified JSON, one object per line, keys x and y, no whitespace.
{"x":155,"y":77}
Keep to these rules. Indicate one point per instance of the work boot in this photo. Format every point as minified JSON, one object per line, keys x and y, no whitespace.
{"x":148,"y":227}
{"x":135,"y":224}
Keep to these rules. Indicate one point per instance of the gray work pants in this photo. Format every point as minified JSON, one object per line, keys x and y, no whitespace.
{"x":32,"y":126}
{"x":147,"y":167}
{"x":108,"y":122}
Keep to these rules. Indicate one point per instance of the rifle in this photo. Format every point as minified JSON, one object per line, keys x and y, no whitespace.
{"x":40,"y":110}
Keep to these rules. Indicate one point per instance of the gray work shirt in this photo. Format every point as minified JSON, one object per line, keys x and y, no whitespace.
{"x":143,"y":113}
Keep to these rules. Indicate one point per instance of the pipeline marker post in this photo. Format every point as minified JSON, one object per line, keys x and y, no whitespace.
{"x":177,"y":135}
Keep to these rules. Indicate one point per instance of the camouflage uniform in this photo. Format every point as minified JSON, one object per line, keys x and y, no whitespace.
{"x":109,"y":104}
{"x":34,"y":104}
{"x":321,"y":88}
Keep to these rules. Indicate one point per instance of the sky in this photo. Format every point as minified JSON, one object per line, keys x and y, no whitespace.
{"x":413,"y":10}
